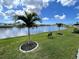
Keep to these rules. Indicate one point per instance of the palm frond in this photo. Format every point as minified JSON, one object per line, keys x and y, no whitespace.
{"x":29,"y":18}
{"x":36,"y":19}
{"x":34,"y":14}
{"x":23,"y":18}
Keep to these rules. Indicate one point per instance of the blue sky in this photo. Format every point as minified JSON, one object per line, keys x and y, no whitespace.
{"x":71,"y":13}
{"x":51,"y":11}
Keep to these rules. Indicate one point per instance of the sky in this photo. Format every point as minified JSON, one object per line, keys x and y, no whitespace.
{"x":50,"y":11}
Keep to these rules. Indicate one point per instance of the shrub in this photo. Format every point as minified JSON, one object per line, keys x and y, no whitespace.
{"x":76,"y":30}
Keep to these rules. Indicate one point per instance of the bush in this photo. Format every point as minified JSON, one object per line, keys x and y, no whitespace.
{"x":76,"y":30}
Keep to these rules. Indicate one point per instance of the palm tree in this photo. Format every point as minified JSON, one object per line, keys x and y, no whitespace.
{"x":59,"y":25}
{"x":29,"y":19}
{"x":77,"y":23}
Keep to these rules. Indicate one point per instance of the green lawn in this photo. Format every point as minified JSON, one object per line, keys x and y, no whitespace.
{"x":60,"y":47}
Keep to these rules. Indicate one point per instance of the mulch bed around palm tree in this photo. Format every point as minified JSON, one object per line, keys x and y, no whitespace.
{"x":28,"y":46}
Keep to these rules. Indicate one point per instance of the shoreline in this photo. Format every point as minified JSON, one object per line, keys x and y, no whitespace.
{"x":27,"y":34}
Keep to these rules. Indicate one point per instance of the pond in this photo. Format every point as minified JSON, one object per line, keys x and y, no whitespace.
{"x":13,"y":32}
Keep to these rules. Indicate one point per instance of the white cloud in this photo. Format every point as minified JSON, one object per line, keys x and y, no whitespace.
{"x":45,"y":18}
{"x":1,"y":7}
{"x":10,"y":3}
{"x":10,"y":12}
{"x":5,"y":18}
{"x":19,"y":12}
{"x":77,"y":17}
{"x":3,"y":15}
{"x":77,"y":7}
{"x":31,"y":6}
{"x":67,"y":2}
{"x":1,"y":1}
{"x":16,"y":2}
{"x":60,"y":17}
{"x":35,"y":5}
{"x":13,"y":12}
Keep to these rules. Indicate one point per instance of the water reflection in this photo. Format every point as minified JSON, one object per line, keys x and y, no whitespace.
{"x":13,"y":32}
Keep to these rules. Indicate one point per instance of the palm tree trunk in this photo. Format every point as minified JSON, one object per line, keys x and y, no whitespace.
{"x":59,"y":28}
{"x":29,"y":33}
